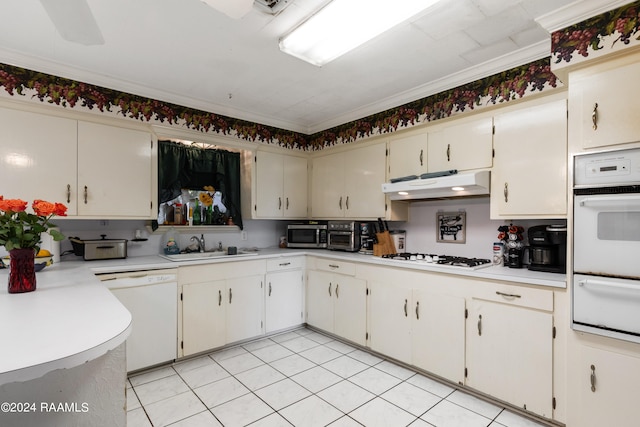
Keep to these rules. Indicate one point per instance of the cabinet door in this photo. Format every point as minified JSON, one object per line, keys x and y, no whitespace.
{"x":284,"y":299}
{"x":203,"y":316}
{"x":245,"y":308}
{"x":408,"y":155}
{"x":327,"y":192}
{"x":462,"y":146}
{"x":608,"y":94}
{"x":530,"y":172}
{"x":364,"y":176}
{"x":320,"y":291}
{"x":438,"y":334}
{"x":295,"y":181}
{"x":509,"y":354}
{"x":269,"y":178}
{"x":389,"y":321}
{"x":38,"y":158}
{"x":114,"y":171}
{"x":350,"y":308}
{"x":612,"y":398}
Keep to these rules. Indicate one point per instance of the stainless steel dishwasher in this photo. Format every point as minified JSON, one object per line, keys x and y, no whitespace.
{"x":152,"y":298}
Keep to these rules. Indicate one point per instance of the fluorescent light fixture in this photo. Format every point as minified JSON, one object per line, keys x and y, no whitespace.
{"x":343,"y":25}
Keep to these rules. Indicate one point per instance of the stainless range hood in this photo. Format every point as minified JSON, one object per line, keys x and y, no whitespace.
{"x":454,"y":185}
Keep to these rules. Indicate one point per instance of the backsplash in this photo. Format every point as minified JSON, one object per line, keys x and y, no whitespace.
{"x":480,"y":234}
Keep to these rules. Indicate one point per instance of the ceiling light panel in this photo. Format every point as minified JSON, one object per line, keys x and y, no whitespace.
{"x":342,"y":25}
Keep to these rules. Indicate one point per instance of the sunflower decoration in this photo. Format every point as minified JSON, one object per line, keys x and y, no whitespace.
{"x":206,"y":197}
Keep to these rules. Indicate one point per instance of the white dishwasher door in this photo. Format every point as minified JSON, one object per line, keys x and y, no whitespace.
{"x":152,"y":299}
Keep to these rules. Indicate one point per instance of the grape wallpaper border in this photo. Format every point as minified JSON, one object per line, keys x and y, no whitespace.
{"x":501,"y":87}
{"x":613,"y":30}
{"x":619,"y":27}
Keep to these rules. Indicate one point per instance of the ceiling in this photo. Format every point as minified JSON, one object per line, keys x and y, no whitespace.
{"x":187,"y":53}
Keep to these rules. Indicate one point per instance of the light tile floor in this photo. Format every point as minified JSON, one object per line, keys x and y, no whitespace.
{"x":302,"y":378}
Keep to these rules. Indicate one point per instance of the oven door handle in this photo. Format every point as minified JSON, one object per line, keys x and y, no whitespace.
{"x":611,"y":201}
{"x":596,"y":282}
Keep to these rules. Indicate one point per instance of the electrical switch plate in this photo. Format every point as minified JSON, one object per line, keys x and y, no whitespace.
{"x":243,"y":235}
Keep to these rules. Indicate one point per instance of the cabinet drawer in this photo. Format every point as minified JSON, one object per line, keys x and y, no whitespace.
{"x":219,"y":271}
{"x":281,"y":264}
{"x":336,"y":266}
{"x":538,"y":299}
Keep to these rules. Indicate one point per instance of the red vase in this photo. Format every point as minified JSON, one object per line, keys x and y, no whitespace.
{"x":22,"y":275}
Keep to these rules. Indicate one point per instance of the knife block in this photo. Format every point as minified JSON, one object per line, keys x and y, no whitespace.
{"x":385,"y":245}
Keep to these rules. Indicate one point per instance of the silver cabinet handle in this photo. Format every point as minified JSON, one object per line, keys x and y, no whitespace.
{"x":86,"y":193}
{"x":417,"y":310}
{"x":334,"y":266}
{"x":347,"y":203}
{"x":287,"y":205}
{"x":448,"y":152}
{"x":480,"y":325}
{"x":284,"y":264}
{"x":421,"y":157}
{"x":68,"y":193}
{"x":337,"y":287}
{"x":502,"y":294}
{"x":230,"y":295}
{"x":405,"y":308}
{"x":594,"y":116}
{"x":219,"y":297}
{"x":593,"y":378}
{"x":340,"y":203}
{"x":329,"y":288}
{"x":506,"y":192}
{"x":279,"y":203}
{"x":269,"y":288}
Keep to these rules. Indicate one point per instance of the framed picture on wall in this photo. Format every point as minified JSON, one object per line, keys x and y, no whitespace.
{"x":451,"y":227}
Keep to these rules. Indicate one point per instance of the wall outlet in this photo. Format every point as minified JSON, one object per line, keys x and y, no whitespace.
{"x":243,"y":235}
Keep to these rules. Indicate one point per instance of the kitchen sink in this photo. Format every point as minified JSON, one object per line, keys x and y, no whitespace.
{"x":196,"y":256}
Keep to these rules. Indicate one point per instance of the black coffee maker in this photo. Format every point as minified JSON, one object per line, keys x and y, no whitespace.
{"x":548,"y":248}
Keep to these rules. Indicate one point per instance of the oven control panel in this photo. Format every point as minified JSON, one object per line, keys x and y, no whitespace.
{"x":610,"y":168}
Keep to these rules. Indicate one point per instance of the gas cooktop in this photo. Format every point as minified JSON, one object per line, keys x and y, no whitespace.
{"x":442,"y":260}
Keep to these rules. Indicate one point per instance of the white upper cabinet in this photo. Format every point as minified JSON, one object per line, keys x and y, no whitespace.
{"x":408,"y":154}
{"x":348,"y":184}
{"x":115,"y":167}
{"x":96,"y":170}
{"x":280,"y":186}
{"x":603,"y":101}
{"x":462,"y":145}
{"x":38,"y":157}
{"x":529,"y":176}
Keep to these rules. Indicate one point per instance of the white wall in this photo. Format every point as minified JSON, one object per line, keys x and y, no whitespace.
{"x":481,"y":231}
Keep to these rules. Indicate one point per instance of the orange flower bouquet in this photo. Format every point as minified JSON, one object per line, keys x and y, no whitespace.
{"x":20,"y":235}
{"x":22,"y":230}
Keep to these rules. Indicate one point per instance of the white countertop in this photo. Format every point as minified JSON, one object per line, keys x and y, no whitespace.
{"x":68,"y":320}
{"x":516,"y":275}
{"x":71,"y":318}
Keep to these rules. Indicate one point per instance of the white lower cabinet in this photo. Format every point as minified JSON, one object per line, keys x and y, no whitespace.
{"x":203,"y":316}
{"x":437,"y":334}
{"x":221,"y":311}
{"x":337,"y":303}
{"x":419,"y":327}
{"x":284,"y":298}
{"x":605,"y":387}
{"x":510,"y":347}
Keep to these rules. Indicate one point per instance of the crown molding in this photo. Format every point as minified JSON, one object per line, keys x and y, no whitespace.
{"x":577,"y":11}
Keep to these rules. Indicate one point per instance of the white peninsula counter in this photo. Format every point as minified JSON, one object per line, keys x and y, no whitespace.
{"x":62,"y":351}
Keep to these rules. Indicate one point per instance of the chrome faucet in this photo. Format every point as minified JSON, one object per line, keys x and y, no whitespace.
{"x":200,"y":242}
